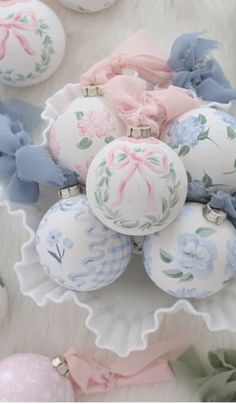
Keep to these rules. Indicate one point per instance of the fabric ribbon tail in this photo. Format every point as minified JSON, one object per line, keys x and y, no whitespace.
{"x":22,"y":192}
{"x":29,"y":114}
{"x":210,"y":90}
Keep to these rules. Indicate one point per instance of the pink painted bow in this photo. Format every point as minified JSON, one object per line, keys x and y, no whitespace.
{"x":138,"y":54}
{"x":15,"y":26}
{"x":141,"y":161}
{"x":137,"y":106}
{"x":144,"y":367}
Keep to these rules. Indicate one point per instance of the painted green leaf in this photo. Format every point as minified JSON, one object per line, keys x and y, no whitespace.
{"x":109,"y":139}
{"x":231,"y":133}
{"x":102,"y":182}
{"x":235,"y":163}
{"x":1,"y":283}
{"x":189,"y":177}
{"x":129,"y":225}
{"x":105,"y":196}
{"x":152,"y":218}
{"x":121,"y":156}
{"x":186,"y":277}
{"x":108,"y":172}
{"x":79,"y":115}
{"x":85,"y":143}
{"x":202,"y":119}
{"x":44,"y":26}
{"x":51,"y":51}
{"x":184,"y":150}
{"x":173,"y":273}
{"x":203,"y":135}
{"x":165,"y":256}
{"x":207,"y":180}
{"x":164,"y":206}
{"x":205,"y":231}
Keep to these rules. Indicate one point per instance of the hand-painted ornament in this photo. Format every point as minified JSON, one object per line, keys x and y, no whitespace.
{"x":76,"y":250}
{"x":88,"y":6}
{"x":32,"y":42}
{"x":205,"y":140}
{"x":88,"y":123}
{"x":136,"y":186}
{"x":82,"y":129}
{"x":31,"y":378}
{"x":194,"y":257}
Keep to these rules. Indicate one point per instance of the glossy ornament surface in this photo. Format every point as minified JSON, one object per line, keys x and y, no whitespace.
{"x":192,"y":258}
{"x":87,"y":6}
{"x":32,"y":42}
{"x":30,"y":378}
{"x":81,"y":130}
{"x":136,"y":186}
{"x":76,"y":250}
{"x":205,"y":140}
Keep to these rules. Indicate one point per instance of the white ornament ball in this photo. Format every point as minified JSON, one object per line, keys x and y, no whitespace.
{"x":3,"y":301}
{"x":81,"y":130}
{"x":136,"y":186}
{"x":76,"y":250}
{"x":192,"y":258}
{"x":205,"y":140}
{"x":32,"y":42}
{"x":87,"y":6}
{"x":32,"y":378}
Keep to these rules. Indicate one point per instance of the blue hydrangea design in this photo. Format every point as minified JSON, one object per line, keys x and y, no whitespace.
{"x":189,"y":293}
{"x":230,"y":268}
{"x":185,"y":132}
{"x":195,"y":255}
{"x":54,"y":237}
{"x":228,"y":119}
{"x":67,"y":243}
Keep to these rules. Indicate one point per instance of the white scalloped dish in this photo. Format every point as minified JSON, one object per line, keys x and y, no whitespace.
{"x":123,"y":314}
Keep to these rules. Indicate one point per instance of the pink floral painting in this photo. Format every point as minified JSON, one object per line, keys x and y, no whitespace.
{"x":96,"y":124}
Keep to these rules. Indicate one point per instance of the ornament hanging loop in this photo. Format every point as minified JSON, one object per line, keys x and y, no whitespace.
{"x":61,"y":365}
{"x":216,"y":216}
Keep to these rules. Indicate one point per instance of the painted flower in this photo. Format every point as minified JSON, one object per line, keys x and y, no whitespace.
{"x":230,"y":267}
{"x":228,"y":119}
{"x":67,"y":243}
{"x":195,"y":255}
{"x":185,"y":132}
{"x":188,"y":293}
{"x":53,"y":144}
{"x":96,"y":124}
{"x":54,"y":237}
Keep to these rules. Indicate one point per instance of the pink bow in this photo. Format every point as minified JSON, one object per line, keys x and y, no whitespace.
{"x":137,"y":161}
{"x":15,"y":25}
{"x":138,"y":107}
{"x":142,"y":367}
{"x":138,"y":54}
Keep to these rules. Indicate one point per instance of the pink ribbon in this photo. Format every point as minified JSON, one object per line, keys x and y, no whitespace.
{"x":137,"y":161}
{"x":14,"y":26}
{"x":138,"y":54}
{"x":143,"y":367}
{"x":137,"y":106}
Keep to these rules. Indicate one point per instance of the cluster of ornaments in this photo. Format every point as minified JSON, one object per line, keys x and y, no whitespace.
{"x":135,"y":151}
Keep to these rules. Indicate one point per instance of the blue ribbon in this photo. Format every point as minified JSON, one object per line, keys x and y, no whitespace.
{"x":195,"y":69}
{"x":24,"y":166}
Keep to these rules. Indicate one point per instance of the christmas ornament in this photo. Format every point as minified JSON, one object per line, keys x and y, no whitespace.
{"x":30,"y":377}
{"x":137,"y":186}
{"x":32,"y":42}
{"x":87,"y":6}
{"x":205,"y":139}
{"x":90,"y":121}
{"x":195,"y":68}
{"x":76,"y":250}
{"x":195,"y":256}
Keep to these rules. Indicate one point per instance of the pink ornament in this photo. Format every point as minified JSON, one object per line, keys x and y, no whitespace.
{"x":31,"y":377}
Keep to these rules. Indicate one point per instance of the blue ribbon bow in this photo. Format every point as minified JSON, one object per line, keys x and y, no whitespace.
{"x":195,"y":69}
{"x":24,"y":166}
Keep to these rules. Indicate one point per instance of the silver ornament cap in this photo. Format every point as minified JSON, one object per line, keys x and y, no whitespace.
{"x":216,"y":216}
{"x":92,"y":90}
{"x":61,"y":365}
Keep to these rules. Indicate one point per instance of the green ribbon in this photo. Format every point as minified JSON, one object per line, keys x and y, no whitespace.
{"x":216,"y":386}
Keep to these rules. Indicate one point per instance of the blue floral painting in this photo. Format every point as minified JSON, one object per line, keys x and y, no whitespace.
{"x":189,"y":293}
{"x":58,"y":246}
{"x":230,"y":268}
{"x":193,"y":257}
